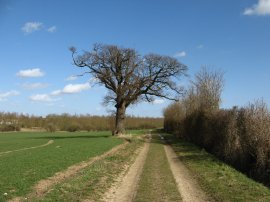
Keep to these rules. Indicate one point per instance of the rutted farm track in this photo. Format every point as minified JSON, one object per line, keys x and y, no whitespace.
{"x":156,"y":175}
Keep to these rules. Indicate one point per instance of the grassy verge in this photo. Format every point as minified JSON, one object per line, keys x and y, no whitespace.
{"x":219,"y":180}
{"x":138,"y":132}
{"x":92,"y":182}
{"x":157,"y":182}
{"x":19,"y":171}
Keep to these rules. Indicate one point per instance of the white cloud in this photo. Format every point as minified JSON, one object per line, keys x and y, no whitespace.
{"x":261,"y":8}
{"x":51,"y":29}
{"x":32,"y":86}
{"x":71,"y":78}
{"x":68,"y":89}
{"x":30,"y":73}
{"x":180,"y":54}
{"x":76,"y":88}
{"x":72,"y":89}
{"x":56,"y":92}
{"x":158,"y":101}
{"x":42,"y":98}
{"x":30,"y":27}
{"x":4,"y":96}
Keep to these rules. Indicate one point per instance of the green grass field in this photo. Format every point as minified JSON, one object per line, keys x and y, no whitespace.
{"x":92,"y":182}
{"x":20,"y":170}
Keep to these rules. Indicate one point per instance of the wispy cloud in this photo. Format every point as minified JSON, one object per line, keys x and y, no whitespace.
{"x":36,"y":72}
{"x":158,"y":101}
{"x":42,"y":98}
{"x":30,"y":27}
{"x":4,"y":96}
{"x":51,"y":29}
{"x":71,"y":78}
{"x":180,"y":54}
{"x":261,"y":8}
{"x":32,"y":86}
{"x":68,"y":89}
{"x":72,"y":89}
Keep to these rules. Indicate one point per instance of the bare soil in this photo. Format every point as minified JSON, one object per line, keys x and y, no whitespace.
{"x":124,"y":189}
{"x":187,"y":185}
{"x":33,"y":129}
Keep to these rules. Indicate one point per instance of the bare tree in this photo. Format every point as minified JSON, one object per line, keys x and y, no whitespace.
{"x":130,"y":77}
{"x":209,"y":85}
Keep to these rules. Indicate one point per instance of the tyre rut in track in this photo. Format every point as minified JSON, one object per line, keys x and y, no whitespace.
{"x":125,"y":188}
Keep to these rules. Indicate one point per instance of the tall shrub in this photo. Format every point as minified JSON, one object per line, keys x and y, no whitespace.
{"x":238,"y":136}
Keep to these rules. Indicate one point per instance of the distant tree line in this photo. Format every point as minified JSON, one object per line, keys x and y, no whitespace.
{"x":238,"y":136}
{"x":72,"y":123}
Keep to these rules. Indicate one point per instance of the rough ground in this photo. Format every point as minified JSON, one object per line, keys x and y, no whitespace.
{"x":126,"y":187}
{"x":187,"y":185}
{"x":157,"y":182}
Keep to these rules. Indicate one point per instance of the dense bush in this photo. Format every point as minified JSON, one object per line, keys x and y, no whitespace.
{"x":9,"y":127}
{"x":73,"y":127}
{"x":50,"y":127}
{"x":238,"y":136}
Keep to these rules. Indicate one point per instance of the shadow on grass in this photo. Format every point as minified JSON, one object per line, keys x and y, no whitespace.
{"x":191,"y":153}
{"x":185,"y":150}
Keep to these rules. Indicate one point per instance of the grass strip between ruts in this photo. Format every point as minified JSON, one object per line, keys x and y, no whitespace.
{"x":157,"y":182}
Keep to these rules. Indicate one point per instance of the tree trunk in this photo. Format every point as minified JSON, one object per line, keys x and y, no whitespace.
{"x":120,"y":120}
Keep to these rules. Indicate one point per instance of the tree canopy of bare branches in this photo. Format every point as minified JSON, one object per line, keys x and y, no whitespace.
{"x":209,"y":85}
{"x":130,"y":77}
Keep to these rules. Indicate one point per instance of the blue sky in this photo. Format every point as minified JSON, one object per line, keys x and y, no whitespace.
{"x":35,"y":64}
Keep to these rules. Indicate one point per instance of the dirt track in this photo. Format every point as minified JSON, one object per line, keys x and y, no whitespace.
{"x":126,"y":187}
{"x":186,"y":184}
